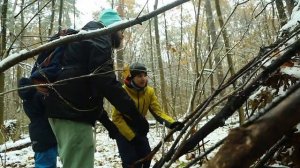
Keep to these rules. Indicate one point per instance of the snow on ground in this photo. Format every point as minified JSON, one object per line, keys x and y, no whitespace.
{"x":106,"y":154}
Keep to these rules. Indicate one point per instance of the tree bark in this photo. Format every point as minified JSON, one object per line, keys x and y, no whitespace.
{"x":151,"y":54}
{"x":228,"y":53}
{"x":211,"y":26}
{"x":249,"y":143}
{"x":281,"y":12}
{"x":52,"y":18}
{"x":177,"y":88}
{"x":196,"y":57}
{"x":160,"y":63}
{"x":289,"y":6}
{"x":39,"y":21}
{"x":2,"y":52}
{"x":169,"y":66}
{"x":120,"y":52}
{"x":61,"y":6}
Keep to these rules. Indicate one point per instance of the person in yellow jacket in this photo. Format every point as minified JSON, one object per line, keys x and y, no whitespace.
{"x":133,"y":146}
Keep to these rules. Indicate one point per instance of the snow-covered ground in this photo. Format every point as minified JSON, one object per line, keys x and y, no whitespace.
{"x":106,"y":154}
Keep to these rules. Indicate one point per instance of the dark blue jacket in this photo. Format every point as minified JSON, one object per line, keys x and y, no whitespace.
{"x":40,"y":132}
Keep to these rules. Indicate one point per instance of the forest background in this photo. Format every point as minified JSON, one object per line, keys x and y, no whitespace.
{"x":190,"y":49}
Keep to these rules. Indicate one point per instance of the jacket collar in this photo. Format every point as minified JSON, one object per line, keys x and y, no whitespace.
{"x":130,"y":83}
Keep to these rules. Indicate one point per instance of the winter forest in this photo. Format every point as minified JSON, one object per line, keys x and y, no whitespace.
{"x":228,"y":69}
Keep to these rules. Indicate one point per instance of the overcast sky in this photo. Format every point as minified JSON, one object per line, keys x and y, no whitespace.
{"x":87,"y":7}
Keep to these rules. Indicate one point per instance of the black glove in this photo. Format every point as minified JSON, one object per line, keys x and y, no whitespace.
{"x":177,"y":125}
{"x":27,"y":93}
{"x":108,"y":124}
{"x":139,"y":125}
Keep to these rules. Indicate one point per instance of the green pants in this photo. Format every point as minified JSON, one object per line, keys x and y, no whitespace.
{"x":76,"y":144}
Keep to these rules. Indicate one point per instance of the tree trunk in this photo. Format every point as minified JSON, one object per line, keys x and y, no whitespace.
{"x":228,"y":53}
{"x":196,"y":57}
{"x":61,"y":6}
{"x":2,"y":52}
{"x":152,"y":55}
{"x":281,"y":12}
{"x":210,"y":62}
{"x":39,"y":21}
{"x":52,"y":18}
{"x":211,"y":26}
{"x":169,"y":66}
{"x":177,"y":88}
{"x":289,"y":6}
{"x":160,"y":63}
{"x":120,"y":52}
{"x":249,"y":143}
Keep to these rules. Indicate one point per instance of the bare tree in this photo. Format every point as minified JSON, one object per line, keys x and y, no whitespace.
{"x":60,"y":16}
{"x":211,"y":26}
{"x":120,"y":52}
{"x":52,"y":17}
{"x":2,"y":52}
{"x":151,"y":53}
{"x":281,"y":12}
{"x":228,"y":52}
{"x":289,"y":6}
{"x":196,"y":57}
{"x":160,"y":63}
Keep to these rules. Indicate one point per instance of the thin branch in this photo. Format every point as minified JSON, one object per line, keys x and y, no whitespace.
{"x":23,"y":28}
{"x":24,"y":8}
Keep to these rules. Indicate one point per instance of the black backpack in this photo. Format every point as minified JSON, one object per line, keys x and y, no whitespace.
{"x":48,"y":64}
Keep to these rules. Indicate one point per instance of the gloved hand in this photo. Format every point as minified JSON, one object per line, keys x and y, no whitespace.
{"x":26,"y":93}
{"x":177,"y":125}
{"x":108,"y":124}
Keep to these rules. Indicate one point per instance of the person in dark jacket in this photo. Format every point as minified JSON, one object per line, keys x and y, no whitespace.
{"x":136,"y":85}
{"x":43,"y":140}
{"x":74,"y":105}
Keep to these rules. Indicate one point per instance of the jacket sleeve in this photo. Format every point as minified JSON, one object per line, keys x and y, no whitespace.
{"x":157,"y":111}
{"x":123,"y":128}
{"x":104,"y":83}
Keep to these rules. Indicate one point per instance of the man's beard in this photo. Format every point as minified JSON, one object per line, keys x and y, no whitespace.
{"x":116,"y":40}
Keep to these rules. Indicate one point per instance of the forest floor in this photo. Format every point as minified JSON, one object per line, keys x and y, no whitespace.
{"x":106,"y":154}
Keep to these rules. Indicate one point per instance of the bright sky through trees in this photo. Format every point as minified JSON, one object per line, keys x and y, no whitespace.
{"x":87,"y":7}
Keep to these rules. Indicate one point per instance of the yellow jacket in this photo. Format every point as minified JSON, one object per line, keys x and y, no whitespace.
{"x":144,"y":100}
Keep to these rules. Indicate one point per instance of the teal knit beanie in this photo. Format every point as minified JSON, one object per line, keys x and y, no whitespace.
{"x":109,"y":16}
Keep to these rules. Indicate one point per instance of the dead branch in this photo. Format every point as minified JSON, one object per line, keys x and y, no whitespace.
{"x":270,"y":153}
{"x":236,"y":101}
{"x":250,"y":142}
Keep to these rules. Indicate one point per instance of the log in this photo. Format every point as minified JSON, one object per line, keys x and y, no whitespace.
{"x":251,"y":142}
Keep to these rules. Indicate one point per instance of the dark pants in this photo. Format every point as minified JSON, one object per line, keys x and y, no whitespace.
{"x":130,"y":152}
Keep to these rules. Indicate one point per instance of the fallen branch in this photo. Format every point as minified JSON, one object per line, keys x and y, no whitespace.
{"x":249,"y":143}
{"x":236,"y":101}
